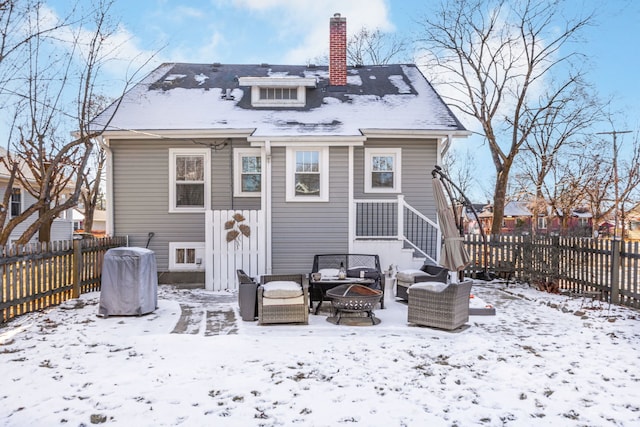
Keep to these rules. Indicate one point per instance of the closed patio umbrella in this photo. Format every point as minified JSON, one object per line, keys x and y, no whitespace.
{"x":454,"y":256}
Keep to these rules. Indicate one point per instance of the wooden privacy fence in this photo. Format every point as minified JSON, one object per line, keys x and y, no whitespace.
{"x":36,"y":276}
{"x":575,"y":264}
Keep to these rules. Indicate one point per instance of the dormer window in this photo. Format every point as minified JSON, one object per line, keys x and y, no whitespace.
{"x":278,"y":91}
{"x":267,"y":93}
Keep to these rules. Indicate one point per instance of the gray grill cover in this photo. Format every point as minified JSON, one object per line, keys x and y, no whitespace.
{"x":129,"y":282}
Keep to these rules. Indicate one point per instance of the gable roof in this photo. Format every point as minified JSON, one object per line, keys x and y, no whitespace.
{"x":184,"y":96}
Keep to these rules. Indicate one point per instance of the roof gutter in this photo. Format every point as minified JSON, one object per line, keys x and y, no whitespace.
{"x":177,"y":133}
{"x":414,"y":133}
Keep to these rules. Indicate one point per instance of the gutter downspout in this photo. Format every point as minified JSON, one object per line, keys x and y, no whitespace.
{"x":266,"y":205}
{"x":351,"y":210}
{"x":445,"y":147}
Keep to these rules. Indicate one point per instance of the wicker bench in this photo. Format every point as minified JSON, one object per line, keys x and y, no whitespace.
{"x":356,"y":265}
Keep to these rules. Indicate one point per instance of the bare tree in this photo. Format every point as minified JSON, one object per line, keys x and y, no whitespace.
{"x":560,"y":130}
{"x":91,"y":195}
{"x":40,"y":156}
{"x":617,"y":180}
{"x":373,"y":47}
{"x":460,"y":169}
{"x":564,"y":187}
{"x":494,"y":55}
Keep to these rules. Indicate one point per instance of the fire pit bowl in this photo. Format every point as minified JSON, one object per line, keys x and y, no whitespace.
{"x":353,"y":299}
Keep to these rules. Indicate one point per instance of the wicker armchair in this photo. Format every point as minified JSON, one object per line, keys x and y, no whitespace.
{"x":282,"y":302}
{"x":427,"y":273}
{"x":439,"y":305}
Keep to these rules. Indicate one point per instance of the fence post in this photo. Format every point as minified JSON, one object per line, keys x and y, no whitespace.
{"x":77,"y":268}
{"x":615,"y":270}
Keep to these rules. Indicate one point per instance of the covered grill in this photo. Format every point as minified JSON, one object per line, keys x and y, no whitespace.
{"x":129,"y":282}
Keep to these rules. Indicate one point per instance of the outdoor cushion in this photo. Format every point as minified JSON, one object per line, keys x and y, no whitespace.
{"x":329,"y":272}
{"x":430,"y":286}
{"x":369,"y":273}
{"x":281,"y":289}
{"x":409,"y":275}
{"x":410,"y":271}
{"x":284,"y":301}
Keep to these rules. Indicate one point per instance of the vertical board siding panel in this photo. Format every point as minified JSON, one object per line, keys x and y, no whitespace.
{"x":245,"y":254}
{"x":217,"y":232}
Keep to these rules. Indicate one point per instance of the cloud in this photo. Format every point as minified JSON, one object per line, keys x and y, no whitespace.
{"x":307,"y":21}
{"x":121,"y":55}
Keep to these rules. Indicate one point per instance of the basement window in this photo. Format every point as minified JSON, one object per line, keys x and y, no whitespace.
{"x":186,"y":256}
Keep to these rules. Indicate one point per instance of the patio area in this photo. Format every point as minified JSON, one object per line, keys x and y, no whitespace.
{"x":541,"y":360}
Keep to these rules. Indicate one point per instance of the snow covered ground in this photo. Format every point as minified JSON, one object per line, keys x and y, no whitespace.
{"x":543,"y":360}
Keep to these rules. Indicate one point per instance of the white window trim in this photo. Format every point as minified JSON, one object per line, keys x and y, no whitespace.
{"x":291,"y":170}
{"x":397,"y":173}
{"x":199,"y":248}
{"x":173,"y":153}
{"x":542,"y":223}
{"x":239,"y":153}
{"x":21,"y":203}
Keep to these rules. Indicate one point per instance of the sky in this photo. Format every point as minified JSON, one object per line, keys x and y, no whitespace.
{"x":296,"y":32}
{"x":541,"y":360}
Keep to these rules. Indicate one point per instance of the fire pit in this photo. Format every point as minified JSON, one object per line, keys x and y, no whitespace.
{"x":356,"y":299}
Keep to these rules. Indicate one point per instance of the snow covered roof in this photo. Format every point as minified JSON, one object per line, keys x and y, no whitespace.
{"x":516,"y":209}
{"x":184,"y":96}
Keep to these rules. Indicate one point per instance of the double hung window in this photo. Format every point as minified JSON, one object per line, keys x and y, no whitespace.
{"x":189,"y":177}
{"x":248,"y":172}
{"x":307,"y":174}
{"x":16,"y":202}
{"x":382,"y":170}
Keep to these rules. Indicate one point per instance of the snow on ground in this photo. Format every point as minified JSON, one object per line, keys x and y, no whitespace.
{"x":543,"y":360}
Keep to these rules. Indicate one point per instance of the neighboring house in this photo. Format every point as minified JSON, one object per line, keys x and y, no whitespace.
{"x":61,"y":228}
{"x":330,"y":159}
{"x":471,"y":225}
{"x":99,"y":221}
{"x":632,"y":217}
{"x":518,"y":219}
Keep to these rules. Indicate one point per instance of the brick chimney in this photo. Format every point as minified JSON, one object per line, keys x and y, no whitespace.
{"x":338,"y":51}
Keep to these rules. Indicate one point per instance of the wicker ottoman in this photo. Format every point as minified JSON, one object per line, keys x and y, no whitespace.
{"x":406,"y":278}
{"x":439,"y":305}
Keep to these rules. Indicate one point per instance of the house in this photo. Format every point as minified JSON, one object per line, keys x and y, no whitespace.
{"x":99,"y":221}
{"x":21,"y":199}
{"x":470,"y":222}
{"x":317,"y":159}
{"x":518,"y":219}
{"x":632,"y":223}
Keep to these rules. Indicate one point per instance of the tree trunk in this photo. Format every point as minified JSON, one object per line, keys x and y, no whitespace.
{"x":44,"y":233}
{"x":88,"y":218}
{"x":499,"y":200}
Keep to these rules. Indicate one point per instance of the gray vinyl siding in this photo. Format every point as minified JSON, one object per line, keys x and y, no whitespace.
{"x":141,"y":194}
{"x":301,"y":230}
{"x":418,"y":159}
